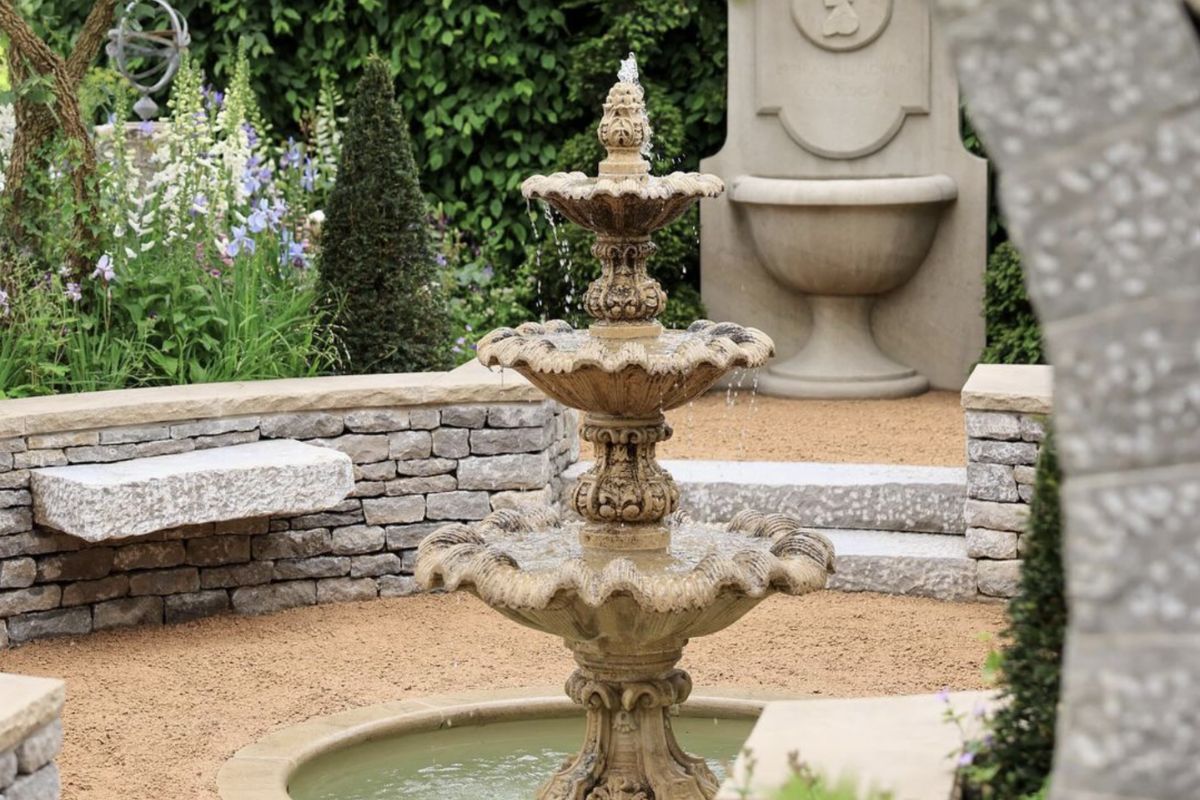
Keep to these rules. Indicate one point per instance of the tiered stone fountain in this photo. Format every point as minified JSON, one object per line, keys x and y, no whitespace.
{"x":628,"y":583}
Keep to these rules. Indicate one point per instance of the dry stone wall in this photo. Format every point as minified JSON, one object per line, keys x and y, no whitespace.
{"x":416,"y":468}
{"x":1006,"y":409}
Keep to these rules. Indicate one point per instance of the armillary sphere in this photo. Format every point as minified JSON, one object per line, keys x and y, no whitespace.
{"x":146,"y":52}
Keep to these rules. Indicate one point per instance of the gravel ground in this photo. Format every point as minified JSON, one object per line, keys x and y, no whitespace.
{"x":741,"y":426}
{"x":154,"y":712}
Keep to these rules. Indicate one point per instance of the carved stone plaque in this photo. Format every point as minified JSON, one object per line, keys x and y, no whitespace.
{"x":842,"y":24}
{"x":842,"y":75}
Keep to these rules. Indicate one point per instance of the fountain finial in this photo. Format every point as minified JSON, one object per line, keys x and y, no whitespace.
{"x":625,"y":128}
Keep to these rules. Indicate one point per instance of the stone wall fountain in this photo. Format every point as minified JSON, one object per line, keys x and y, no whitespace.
{"x":629,"y":582}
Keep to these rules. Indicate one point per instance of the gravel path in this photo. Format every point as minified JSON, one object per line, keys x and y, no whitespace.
{"x":736,"y":426}
{"x":154,"y":712}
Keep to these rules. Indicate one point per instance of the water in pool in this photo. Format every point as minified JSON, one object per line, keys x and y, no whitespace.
{"x":503,"y":761}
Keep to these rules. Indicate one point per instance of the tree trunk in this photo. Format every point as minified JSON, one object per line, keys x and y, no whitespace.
{"x":37,"y":124}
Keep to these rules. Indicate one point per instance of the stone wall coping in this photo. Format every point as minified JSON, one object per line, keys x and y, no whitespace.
{"x":26,"y":704}
{"x":1024,"y":388}
{"x":470,"y":383}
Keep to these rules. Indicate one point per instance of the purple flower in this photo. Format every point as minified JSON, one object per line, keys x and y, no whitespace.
{"x":213,"y":98}
{"x":251,"y":134}
{"x":250,"y":181}
{"x":146,"y":128}
{"x":296,"y":254}
{"x":488,"y":273}
{"x":944,"y":695}
{"x":216,"y":273}
{"x":73,"y":292}
{"x":104,"y":269}
{"x":240,"y":243}
{"x":258,"y":220}
{"x":980,"y":711}
{"x":293,"y":157}
{"x":966,"y":759}
{"x":199,"y":205}
{"x":308,"y":181}
{"x":441,"y":260}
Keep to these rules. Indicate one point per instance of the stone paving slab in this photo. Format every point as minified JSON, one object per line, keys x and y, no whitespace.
{"x":103,"y":501}
{"x":896,"y":744}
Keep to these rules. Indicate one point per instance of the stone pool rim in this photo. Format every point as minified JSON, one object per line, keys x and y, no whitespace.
{"x":262,"y":770}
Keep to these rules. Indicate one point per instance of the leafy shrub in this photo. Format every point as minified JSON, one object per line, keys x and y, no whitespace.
{"x":1015,"y":759}
{"x":205,"y":272}
{"x":377,"y":260}
{"x":1013,"y":333}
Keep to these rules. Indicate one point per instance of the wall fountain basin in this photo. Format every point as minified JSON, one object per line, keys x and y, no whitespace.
{"x":842,"y":244}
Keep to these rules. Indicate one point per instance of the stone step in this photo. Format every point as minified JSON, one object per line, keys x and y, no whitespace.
{"x":920,"y":564}
{"x":879,"y":497}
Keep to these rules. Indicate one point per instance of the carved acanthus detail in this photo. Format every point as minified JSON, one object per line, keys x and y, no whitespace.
{"x":624,"y":292}
{"x":626,"y":483}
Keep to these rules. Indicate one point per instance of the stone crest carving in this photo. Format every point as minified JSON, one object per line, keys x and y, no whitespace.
{"x":842,"y":24}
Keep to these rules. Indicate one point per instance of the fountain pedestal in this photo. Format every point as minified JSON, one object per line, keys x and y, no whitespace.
{"x":629,"y":751}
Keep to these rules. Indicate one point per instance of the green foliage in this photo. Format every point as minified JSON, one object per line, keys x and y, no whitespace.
{"x":1013,"y":333}
{"x":377,"y":260}
{"x":1016,"y":759}
{"x":179,"y":295}
{"x":494,"y":92}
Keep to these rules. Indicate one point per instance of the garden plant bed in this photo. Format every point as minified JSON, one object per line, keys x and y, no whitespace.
{"x":150,"y":708}
{"x":729,"y":426}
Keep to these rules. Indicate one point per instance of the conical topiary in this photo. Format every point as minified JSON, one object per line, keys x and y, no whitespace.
{"x":377,"y":261}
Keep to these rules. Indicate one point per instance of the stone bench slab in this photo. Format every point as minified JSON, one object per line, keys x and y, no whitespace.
{"x":97,"y":502}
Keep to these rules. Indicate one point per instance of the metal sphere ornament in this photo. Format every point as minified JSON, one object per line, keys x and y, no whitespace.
{"x":146,"y":53}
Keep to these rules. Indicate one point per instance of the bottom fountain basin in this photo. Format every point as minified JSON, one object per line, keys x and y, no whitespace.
{"x":419,"y":744}
{"x":498,"y":761}
{"x":842,"y":243}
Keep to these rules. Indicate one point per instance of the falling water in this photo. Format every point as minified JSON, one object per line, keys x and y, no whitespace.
{"x":563,"y":246}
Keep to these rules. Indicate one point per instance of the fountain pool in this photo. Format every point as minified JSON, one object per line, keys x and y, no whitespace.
{"x":501,"y":761}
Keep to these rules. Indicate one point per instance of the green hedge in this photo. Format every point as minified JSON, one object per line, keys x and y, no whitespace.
{"x":1013,"y":333}
{"x":1018,"y":759}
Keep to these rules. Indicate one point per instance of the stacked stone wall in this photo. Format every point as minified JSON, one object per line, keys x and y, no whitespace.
{"x":416,"y":468}
{"x":1002,"y":454}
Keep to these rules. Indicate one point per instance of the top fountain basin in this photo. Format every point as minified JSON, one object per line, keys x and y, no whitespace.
{"x":629,"y":207}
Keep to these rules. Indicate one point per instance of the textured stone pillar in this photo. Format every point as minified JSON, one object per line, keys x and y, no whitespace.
{"x":1091,"y":111}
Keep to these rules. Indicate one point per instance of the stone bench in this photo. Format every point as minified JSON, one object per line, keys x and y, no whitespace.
{"x":97,"y":502}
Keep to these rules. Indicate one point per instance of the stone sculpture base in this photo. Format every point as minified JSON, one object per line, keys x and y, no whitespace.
{"x":841,"y":358}
{"x":629,"y":750}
